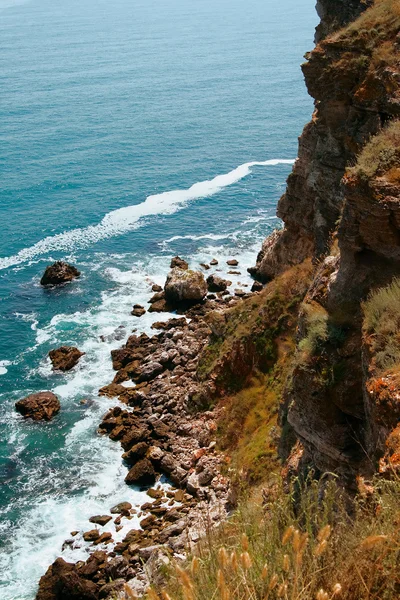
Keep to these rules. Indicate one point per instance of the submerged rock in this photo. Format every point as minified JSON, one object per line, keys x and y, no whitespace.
{"x":185,"y":286}
{"x":58,"y":273}
{"x":65,"y":357}
{"x":39,"y":407}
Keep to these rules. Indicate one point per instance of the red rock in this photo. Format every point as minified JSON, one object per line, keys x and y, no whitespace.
{"x":40,"y":406}
{"x":91,"y":536}
{"x":65,"y":358}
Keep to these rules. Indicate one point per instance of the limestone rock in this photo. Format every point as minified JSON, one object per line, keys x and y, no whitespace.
{"x":185,"y":287}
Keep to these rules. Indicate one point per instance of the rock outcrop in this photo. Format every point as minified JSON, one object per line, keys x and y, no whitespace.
{"x":355,"y":93}
{"x":58,"y":273}
{"x":39,"y":407}
{"x":65,"y":358}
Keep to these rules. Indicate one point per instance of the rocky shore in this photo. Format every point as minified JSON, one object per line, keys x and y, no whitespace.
{"x":168,"y":445}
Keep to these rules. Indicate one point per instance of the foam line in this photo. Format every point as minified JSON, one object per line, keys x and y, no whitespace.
{"x":126,"y":219}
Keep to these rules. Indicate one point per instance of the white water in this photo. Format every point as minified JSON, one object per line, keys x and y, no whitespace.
{"x":99,"y":482}
{"x":125,"y":219}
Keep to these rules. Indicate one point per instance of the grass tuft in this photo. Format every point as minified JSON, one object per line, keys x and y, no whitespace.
{"x":382,"y":324}
{"x":380,"y":155}
{"x":300,"y":551}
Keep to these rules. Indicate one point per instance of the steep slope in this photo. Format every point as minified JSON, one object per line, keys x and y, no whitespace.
{"x":341,"y":207}
{"x":353,"y":77}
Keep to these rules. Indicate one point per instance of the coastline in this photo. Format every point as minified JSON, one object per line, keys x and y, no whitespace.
{"x":181,"y":447}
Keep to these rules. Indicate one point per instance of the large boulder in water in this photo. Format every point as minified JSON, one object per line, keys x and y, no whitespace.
{"x":65,"y":357}
{"x":184,"y":286}
{"x":59,"y":272}
{"x":39,"y":407}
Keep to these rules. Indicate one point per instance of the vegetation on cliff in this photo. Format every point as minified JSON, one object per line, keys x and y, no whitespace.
{"x":306,"y":549}
{"x":381,"y":156}
{"x":311,"y":361}
{"x":382,"y":324}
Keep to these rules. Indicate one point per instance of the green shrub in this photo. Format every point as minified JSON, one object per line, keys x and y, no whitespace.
{"x":316,"y":328}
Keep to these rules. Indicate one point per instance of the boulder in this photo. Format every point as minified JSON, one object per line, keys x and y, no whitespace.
{"x":232,"y":262}
{"x":40,"y":406}
{"x":112,"y":589}
{"x":184,"y":287}
{"x":138,"y":310}
{"x":257,"y":286}
{"x":149,"y":371}
{"x":100,"y":520}
{"x":156,"y":288}
{"x":177,"y":261}
{"x":217,"y":284}
{"x":65,"y":357}
{"x":136,"y":452}
{"x":142,"y":473}
{"x":58,"y":273}
{"x":120,"y":508}
{"x":213,"y":262}
{"x":91,"y":536}
{"x":63,"y":582}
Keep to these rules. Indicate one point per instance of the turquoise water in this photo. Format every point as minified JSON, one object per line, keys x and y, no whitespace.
{"x":116,"y":119}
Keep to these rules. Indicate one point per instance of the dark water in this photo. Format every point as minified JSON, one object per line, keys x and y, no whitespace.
{"x":107,"y":109}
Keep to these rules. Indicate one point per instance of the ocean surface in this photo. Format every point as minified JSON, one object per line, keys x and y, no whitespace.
{"x":131,"y":131}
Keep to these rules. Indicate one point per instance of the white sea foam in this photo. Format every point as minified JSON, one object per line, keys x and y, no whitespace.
{"x":3,"y":365}
{"x":126,"y":219}
{"x":99,"y":481}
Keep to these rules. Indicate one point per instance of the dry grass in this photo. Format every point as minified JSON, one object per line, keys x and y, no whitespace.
{"x":306,"y":550}
{"x":379,"y":22}
{"x":380,"y":155}
{"x":382,"y":324}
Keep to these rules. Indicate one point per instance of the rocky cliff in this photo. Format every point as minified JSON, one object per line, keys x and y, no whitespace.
{"x":341,"y":207}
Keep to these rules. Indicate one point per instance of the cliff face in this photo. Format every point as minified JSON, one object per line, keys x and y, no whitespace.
{"x":341,"y":207}
{"x":354,"y":82}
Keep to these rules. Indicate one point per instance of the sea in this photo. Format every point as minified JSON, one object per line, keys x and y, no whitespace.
{"x":131,"y":131}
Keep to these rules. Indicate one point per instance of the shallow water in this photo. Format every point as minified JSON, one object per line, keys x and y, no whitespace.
{"x":131,"y":131}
